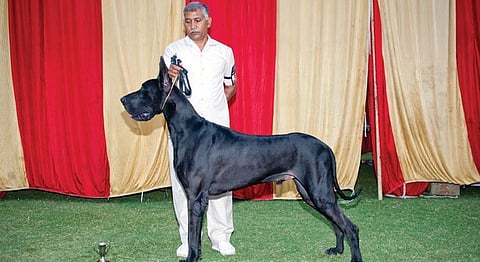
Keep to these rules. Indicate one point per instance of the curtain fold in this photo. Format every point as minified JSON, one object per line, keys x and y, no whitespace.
{"x":422,"y":90}
{"x":12,"y":168}
{"x":468,"y":66}
{"x":321,"y":78}
{"x":249,"y":28}
{"x":392,"y":180}
{"x":300,"y":66}
{"x":57,"y":79}
{"x":135,"y":36}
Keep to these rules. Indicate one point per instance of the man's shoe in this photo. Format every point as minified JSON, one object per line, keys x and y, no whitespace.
{"x":225,"y":248}
{"x":182,"y":251}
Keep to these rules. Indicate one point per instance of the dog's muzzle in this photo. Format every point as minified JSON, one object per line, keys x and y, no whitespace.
{"x":143,"y":116}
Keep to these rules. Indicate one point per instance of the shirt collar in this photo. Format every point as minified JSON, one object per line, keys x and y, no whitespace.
{"x":210,"y":41}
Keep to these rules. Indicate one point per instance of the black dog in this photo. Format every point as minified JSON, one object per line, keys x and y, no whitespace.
{"x":211,"y":159}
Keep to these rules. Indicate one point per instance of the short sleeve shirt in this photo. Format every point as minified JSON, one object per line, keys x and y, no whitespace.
{"x":208,"y":71}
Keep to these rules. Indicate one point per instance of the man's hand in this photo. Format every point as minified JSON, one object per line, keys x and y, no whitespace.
{"x":174,"y":71}
{"x":230,"y":91}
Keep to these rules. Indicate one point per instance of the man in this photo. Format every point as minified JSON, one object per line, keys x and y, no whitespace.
{"x":211,"y":73}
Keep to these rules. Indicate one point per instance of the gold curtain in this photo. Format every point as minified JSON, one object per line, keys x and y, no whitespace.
{"x":12,"y":169}
{"x":422,"y":88}
{"x":134,"y":37}
{"x":321,"y":78}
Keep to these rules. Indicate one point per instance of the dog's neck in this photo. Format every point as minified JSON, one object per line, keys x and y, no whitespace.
{"x":178,"y":111}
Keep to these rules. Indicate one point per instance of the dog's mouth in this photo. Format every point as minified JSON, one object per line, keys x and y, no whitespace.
{"x":145,"y":116}
{"x":133,"y":112}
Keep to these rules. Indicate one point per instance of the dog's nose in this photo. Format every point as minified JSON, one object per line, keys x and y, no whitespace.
{"x":123,"y":100}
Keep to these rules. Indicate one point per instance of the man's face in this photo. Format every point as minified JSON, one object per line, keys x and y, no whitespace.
{"x":196,"y":25}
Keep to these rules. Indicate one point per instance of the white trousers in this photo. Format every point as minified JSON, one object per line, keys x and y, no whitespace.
{"x":219,"y":211}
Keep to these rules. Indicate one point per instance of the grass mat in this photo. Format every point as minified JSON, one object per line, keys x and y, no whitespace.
{"x":42,"y":226}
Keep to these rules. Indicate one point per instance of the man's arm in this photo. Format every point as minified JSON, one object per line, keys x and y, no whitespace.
{"x":230,"y":91}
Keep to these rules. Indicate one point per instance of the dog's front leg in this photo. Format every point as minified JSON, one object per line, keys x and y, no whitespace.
{"x":196,"y":208}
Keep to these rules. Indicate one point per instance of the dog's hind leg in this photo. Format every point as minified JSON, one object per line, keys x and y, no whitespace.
{"x":339,"y":236}
{"x":342,"y":225}
{"x":196,"y":206}
{"x":338,"y":249}
{"x":325,"y":203}
{"x":303,"y":193}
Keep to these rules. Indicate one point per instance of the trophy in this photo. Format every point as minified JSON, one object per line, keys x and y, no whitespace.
{"x":102,"y":249}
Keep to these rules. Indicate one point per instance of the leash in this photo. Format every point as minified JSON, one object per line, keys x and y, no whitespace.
{"x":184,"y":83}
{"x":169,"y":93}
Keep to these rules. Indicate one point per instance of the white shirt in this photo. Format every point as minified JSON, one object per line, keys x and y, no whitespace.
{"x":208,"y":71}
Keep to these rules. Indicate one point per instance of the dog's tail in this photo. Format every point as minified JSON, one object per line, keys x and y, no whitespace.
{"x":339,"y":191}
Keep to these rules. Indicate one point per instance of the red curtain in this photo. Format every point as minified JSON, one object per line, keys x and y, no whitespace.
{"x":468,"y":67}
{"x":249,"y":27}
{"x":392,"y":176}
{"x":57,"y":79}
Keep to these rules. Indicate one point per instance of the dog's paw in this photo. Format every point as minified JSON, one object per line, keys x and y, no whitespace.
{"x":334,"y":251}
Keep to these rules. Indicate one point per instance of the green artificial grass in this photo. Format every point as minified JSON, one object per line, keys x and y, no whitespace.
{"x":42,"y":226}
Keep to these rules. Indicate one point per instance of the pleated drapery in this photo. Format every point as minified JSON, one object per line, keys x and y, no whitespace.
{"x":321,"y":78}
{"x":251,"y":32}
{"x":12,"y":167}
{"x":468,"y":68}
{"x":135,"y":36}
{"x":301,"y":66}
{"x":424,"y":99}
{"x":56,"y":69}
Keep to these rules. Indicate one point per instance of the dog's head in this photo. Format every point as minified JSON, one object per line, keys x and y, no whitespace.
{"x":145,"y":103}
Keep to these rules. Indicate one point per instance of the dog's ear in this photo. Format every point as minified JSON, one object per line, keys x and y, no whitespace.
{"x":163,"y":78}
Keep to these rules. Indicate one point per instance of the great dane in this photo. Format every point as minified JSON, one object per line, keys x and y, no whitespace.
{"x":211,"y":159}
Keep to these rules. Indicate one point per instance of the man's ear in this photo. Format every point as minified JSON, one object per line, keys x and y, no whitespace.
{"x":209,"y":21}
{"x":163,"y":78}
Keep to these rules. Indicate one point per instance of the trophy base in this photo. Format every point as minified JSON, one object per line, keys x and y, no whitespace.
{"x":103,"y":260}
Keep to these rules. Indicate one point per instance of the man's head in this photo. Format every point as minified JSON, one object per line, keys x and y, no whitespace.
{"x":196,"y":21}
